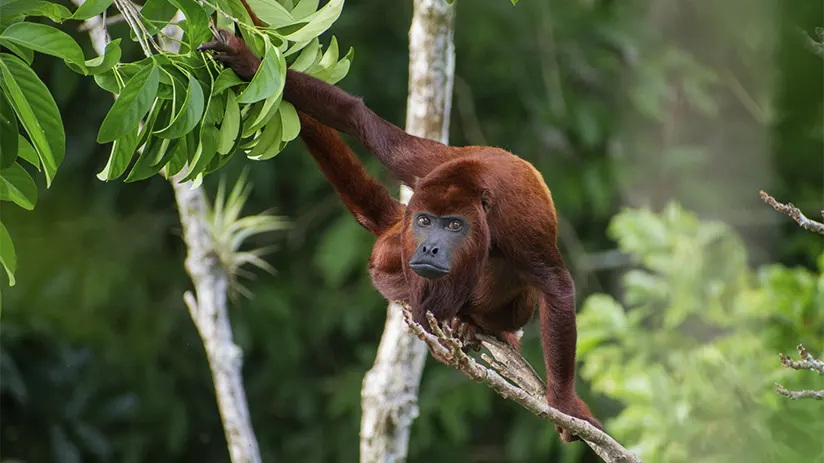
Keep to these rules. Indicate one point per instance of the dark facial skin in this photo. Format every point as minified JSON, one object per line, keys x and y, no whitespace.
{"x":437,"y":237}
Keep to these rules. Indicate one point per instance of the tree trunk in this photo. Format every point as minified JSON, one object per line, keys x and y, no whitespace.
{"x":209,"y":309}
{"x":390,"y":388}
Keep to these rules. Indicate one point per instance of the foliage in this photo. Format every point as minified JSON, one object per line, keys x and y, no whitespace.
{"x":551,"y":81}
{"x":693,"y":353}
{"x":178,"y":110}
{"x":229,"y":230}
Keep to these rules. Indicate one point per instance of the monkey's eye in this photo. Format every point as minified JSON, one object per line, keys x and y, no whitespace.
{"x":454,"y":225}
{"x":424,"y":221}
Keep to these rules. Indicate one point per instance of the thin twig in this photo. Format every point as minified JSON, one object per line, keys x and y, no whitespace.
{"x":527,"y":390}
{"x":795,"y":213}
{"x":86,"y":26}
{"x":796,"y":395}
{"x":807,"y":362}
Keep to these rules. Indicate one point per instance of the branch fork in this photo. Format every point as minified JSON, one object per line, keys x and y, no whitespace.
{"x":807,"y":362}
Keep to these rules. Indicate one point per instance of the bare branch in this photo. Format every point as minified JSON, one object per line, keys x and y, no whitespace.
{"x":796,"y":395}
{"x":795,"y":213}
{"x":526,"y":388}
{"x":807,"y":362}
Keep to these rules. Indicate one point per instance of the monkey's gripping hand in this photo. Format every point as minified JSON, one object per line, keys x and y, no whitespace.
{"x":572,"y":405}
{"x":231,"y":50}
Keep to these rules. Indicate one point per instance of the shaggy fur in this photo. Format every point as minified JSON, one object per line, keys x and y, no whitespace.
{"x":507,"y":265}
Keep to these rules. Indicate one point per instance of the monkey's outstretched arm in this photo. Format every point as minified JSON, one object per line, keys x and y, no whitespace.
{"x":365,"y":198}
{"x":408,"y":157}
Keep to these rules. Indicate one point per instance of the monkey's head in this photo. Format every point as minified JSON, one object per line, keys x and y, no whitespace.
{"x":446,"y":233}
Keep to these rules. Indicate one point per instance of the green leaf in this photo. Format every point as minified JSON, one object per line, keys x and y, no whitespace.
{"x":189,"y":114}
{"x":45,"y":39}
{"x":156,"y":14}
{"x":514,"y":2}
{"x":317,"y":22}
{"x":53,"y":11}
{"x":91,"y":8}
{"x":16,"y":185}
{"x":24,"y":53}
{"x":206,"y":150}
{"x":304,"y":8}
{"x":36,"y":110}
{"x":107,"y":82}
{"x":226,"y":79}
{"x":266,"y":113}
{"x":269,"y":144}
{"x":154,"y":157}
{"x":271,"y":12}
{"x":101,"y":64}
{"x":121,"y":155}
{"x":269,"y":78}
{"x":340,"y":69}
{"x":8,"y":133}
{"x":197,"y":22}
{"x":179,"y":157}
{"x":134,"y":102}
{"x":7,"y":256}
{"x":290,"y":121}
{"x":308,"y":57}
{"x":235,"y":9}
{"x":323,"y":70}
{"x":229,"y":130}
{"x":26,"y":152}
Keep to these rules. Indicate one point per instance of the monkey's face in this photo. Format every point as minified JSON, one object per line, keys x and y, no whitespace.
{"x":438,"y":240}
{"x":446,"y":232}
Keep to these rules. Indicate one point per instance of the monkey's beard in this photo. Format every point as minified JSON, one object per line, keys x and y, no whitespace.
{"x":444,"y":297}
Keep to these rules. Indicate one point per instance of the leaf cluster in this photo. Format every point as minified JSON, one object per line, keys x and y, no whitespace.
{"x":178,"y":113}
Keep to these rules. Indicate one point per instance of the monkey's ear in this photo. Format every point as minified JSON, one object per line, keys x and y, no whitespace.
{"x":486,"y":200}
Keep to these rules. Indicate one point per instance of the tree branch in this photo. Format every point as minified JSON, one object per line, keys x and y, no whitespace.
{"x":523,"y":386}
{"x":792,"y":211}
{"x":807,"y":362}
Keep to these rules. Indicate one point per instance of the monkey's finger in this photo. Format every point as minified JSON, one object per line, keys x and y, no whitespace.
{"x":216,"y":44}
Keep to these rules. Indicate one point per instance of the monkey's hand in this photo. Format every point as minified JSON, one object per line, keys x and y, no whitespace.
{"x":466,"y":331}
{"x":572,"y":405}
{"x":231,"y":50}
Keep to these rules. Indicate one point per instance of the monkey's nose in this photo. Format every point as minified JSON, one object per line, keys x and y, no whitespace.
{"x":433,"y":250}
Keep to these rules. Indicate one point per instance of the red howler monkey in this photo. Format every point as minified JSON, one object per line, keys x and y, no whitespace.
{"x":477,"y":241}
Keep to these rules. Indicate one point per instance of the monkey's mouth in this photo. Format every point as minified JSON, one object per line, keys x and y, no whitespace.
{"x":428,"y":271}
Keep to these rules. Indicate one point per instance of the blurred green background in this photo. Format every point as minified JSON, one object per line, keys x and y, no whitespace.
{"x":655,"y":123}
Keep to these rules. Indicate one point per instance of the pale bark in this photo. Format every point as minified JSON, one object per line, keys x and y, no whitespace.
{"x":209,"y":310}
{"x":390,"y":388}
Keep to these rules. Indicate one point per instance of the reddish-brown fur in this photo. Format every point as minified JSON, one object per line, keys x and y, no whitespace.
{"x":509,"y":262}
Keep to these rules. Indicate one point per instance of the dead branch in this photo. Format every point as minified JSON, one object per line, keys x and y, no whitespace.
{"x":792,"y":211}
{"x":807,"y":362}
{"x":513,"y":378}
